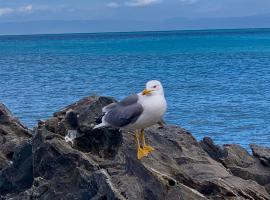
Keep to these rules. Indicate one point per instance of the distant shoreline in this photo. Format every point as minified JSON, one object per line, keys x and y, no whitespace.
{"x":216,"y":30}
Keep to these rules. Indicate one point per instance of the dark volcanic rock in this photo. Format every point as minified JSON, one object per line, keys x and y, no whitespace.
{"x":3,"y":161}
{"x":19,"y":175}
{"x":64,"y":173}
{"x":181,"y":155}
{"x":12,"y":133}
{"x":81,"y":117}
{"x":240,"y":162}
{"x":102,"y":163}
{"x":263,"y":153}
{"x":214,"y":151}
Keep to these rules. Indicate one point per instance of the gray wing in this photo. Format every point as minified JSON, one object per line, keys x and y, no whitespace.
{"x":131,"y":99}
{"x":109,"y":107}
{"x":121,"y":115}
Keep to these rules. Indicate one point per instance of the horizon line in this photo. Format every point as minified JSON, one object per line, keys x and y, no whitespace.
{"x":143,"y":31}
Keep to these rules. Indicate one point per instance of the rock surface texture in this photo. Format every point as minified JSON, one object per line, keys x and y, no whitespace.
{"x":12,"y":133}
{"x":101,"y":164}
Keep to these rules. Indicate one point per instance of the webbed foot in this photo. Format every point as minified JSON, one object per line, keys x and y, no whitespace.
{"x":148,"y":149}
{"x":142,"y":153}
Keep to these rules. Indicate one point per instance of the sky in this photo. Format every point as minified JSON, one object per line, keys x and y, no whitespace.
{"x":146,"y":13}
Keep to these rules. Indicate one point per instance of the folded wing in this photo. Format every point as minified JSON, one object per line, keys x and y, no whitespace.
{"x":125,"y":112}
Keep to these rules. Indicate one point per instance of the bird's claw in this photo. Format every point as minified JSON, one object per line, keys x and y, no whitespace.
{"x":148,"y":149}
{"x":143,"y":152}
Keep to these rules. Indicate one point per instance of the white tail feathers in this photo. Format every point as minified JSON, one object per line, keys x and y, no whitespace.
{"x":108,"y":107}
{"x":105,"y":110}
{"x":100,"y":125}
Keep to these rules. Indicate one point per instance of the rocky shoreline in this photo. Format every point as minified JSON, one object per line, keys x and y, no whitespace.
{"x":102,"y":164}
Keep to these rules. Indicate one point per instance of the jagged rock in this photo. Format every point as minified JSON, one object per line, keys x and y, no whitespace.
{"x":82,"y":115}
{"x":191,"y":165}
{"x":12,"y":133}
{"x":3,"y":161}
{"x":214,"y":151}
{"x":263,"y":153}
{"x":178,"y":155}
{"x":19,"y":175}
{"x":240,"y":162}
{"x":62,"y":172}
{"x":102,"y":163}
{"x":267,"y":187}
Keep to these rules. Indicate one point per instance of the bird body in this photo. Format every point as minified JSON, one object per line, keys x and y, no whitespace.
{"x":137,"y":112}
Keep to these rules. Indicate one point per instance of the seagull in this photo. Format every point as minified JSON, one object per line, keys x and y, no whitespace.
{"x":137,"y":112}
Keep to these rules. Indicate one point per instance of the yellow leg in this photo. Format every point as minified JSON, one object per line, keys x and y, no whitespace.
{"x":140,"y":151}
{"x":147,"y":149}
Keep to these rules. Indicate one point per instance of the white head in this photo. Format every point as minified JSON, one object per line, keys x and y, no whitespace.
{"x":153,"y":87}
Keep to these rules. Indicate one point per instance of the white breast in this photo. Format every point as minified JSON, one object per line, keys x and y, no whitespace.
{"x":154,"y":107}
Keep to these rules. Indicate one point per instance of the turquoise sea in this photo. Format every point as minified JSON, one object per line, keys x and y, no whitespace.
{"x":217,"y":83}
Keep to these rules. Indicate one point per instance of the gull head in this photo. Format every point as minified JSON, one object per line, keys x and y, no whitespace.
{"x":153,"y":87}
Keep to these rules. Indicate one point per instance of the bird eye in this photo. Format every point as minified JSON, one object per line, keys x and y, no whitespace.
{"x":154,"y":86}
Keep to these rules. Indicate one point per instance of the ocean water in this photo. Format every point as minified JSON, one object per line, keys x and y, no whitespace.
{"x":217,"y":83}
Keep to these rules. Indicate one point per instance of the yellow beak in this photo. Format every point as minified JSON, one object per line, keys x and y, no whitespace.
{"x":145,"y":92}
